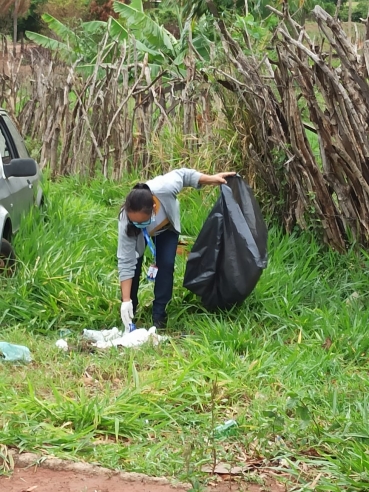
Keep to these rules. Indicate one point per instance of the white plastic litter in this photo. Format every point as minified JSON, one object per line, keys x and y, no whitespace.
{"x":11,"y":352}
{"x":114,"y":337}
{"x":62,"y":344}
{"x":102,"y":335}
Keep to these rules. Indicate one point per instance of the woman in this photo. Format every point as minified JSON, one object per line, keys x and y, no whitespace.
{"x":151,"y":210}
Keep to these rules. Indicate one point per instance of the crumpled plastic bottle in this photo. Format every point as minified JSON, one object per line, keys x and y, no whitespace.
{"x":13,"y":353}
{"x":224,"y":429}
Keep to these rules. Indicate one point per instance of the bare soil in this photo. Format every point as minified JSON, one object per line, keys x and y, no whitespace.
{"x":33,"y":473}
{"x":38,"y":479}
{"x":20,"y":65}
{"x":44,"y":480}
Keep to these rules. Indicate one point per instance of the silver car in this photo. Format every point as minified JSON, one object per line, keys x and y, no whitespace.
{"x":20,"y":186}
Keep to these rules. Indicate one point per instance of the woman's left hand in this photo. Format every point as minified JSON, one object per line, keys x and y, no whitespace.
{"x":215,"y":179}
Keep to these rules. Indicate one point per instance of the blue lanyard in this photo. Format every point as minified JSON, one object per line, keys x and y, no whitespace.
{"x":149,"y":243}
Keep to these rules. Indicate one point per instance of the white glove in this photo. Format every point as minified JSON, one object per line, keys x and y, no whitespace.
{"x":126,"y":313}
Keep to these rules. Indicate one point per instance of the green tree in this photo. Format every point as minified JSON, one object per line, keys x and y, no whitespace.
{"x":360,"y":11}
{"x":32,"y":21}
{"x":70,"y":11}
{"x":19,"y":8}
{"x":257,"y":8}
{"x":197,"y":8}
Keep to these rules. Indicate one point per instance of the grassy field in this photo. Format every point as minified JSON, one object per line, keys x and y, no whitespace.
{"x":357,"y":31}
{"x":290,"y":365}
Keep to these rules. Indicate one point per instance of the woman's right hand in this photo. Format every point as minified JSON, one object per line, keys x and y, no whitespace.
{"x":126,"y":313}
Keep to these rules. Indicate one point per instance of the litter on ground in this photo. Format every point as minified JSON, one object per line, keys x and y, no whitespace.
{"x":112,"y":338}
{"x":13,"y":353}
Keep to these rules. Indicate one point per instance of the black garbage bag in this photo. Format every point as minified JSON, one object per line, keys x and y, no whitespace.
{"x":230,"y":252}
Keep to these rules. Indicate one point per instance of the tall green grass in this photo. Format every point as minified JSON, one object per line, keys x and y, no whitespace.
{"x":290,"y":365}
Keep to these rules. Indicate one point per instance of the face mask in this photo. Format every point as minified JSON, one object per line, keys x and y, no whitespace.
{"x":142,"y":225}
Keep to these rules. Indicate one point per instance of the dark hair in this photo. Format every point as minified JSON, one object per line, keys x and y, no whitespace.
{"x":139,"y":199}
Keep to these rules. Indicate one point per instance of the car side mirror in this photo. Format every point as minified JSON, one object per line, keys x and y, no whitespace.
{"x":20,"y":168}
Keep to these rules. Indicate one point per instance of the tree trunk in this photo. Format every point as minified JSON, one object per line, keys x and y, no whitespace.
{"x":4,"y":44}
{"x":15,"y":27}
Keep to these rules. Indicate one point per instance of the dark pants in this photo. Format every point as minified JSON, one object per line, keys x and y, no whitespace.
{"x":166,"y":248}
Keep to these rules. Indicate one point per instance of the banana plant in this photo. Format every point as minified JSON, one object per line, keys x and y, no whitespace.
{"x":144,"y":28}
{"x":169,"y":51}
{"x":71,"y":45}
{"x":134,"y":27}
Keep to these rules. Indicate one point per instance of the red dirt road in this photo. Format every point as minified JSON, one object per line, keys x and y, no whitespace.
{"x":45,"y":480}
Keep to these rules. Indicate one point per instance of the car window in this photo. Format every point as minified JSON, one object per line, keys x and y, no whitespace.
{"x":18,"y":140}
{"x":4,"y":148}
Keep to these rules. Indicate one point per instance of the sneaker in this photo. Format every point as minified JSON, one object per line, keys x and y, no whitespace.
{"x":160,"y":323}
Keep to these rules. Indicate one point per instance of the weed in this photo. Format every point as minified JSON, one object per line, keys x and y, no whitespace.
{"x":290,"y":365}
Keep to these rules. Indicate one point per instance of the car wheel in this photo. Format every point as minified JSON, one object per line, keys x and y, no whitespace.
{"x":7,"y":257}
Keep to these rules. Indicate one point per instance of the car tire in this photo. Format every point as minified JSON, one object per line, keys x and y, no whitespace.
{"x":7,"y":257}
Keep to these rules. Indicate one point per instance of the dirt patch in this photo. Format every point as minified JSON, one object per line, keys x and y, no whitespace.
{"x":55,"y":475}
{"x":45,"y":480}
{"x":20,"y":66}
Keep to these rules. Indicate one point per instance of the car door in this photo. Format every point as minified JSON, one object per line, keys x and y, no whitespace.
{"x":19,"y":188}
{"x":6,"y":200}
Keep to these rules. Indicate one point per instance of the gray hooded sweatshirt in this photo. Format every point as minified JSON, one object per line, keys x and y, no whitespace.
{"x":166,"y":189}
